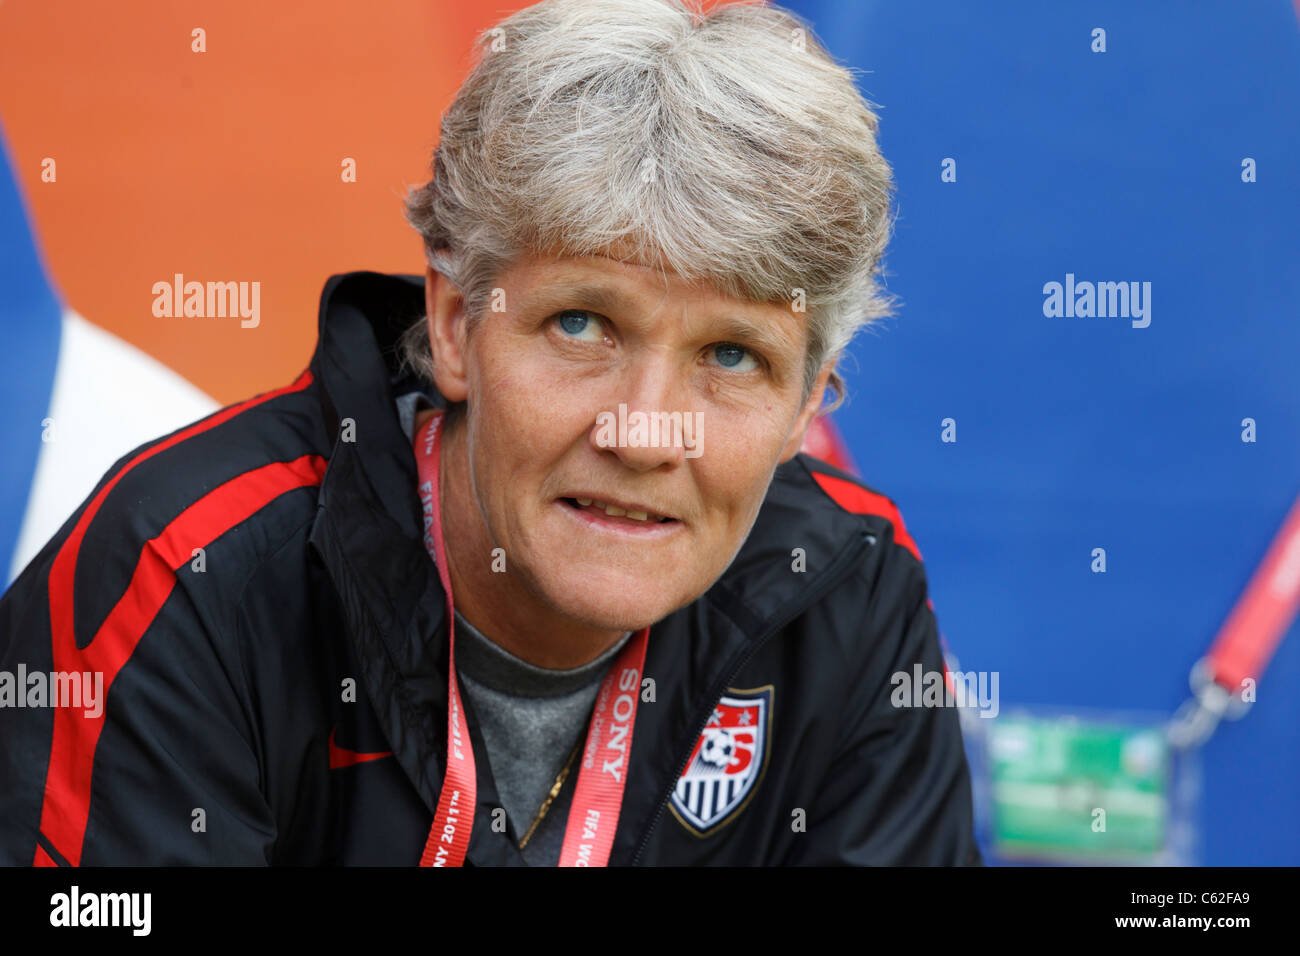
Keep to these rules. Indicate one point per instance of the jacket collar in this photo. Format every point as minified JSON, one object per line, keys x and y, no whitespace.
{"x":368,"y":534}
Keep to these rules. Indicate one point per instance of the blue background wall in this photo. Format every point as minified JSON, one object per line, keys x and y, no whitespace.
{"x":29,"y":322}
{"x":1076,"y":433}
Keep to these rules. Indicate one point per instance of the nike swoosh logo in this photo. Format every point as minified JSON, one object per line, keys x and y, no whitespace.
{"x":342,"y":757}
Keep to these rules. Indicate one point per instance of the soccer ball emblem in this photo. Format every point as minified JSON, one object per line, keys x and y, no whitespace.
{"x":718,"y":748}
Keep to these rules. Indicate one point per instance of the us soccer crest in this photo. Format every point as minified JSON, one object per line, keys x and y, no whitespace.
{"x":727,"y":761}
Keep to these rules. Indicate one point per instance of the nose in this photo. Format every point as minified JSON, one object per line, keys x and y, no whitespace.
{"x":649,"y":427}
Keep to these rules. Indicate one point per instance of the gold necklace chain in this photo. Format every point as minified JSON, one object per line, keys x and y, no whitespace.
{"x":555,"y":791}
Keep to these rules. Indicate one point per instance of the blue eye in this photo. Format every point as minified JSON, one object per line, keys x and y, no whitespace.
{"x":579,"y":324}
{"x":732,"y":356}
{"x":573,"y":322}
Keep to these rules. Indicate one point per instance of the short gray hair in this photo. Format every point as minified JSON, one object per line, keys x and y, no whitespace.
{"x":728,"y":147}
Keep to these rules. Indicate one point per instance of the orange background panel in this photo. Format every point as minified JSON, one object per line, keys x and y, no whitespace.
{"x":225,"y":165}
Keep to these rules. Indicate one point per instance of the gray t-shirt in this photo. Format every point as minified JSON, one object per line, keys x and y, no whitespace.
{"x":530,"y":717}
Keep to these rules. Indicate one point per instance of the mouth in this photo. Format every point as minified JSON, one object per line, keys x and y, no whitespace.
{"x":619,"y":516}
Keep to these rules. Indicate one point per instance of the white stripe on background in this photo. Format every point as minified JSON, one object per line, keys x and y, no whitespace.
{"x":108,"y":398}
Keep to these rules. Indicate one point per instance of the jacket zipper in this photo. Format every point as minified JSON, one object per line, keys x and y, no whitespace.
{"x":829,"y":580}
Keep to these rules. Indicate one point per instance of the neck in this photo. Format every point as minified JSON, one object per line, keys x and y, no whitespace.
{"x":500,"y":605}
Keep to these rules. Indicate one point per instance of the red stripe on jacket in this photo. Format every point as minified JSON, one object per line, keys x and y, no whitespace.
{"x":853,"y":497}
{"x":65,"y":809}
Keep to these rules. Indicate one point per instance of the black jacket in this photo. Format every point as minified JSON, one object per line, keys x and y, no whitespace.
{"x":254,"y":590}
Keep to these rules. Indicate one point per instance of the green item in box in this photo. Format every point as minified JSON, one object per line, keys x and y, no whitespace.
{"x":1065,"y":789}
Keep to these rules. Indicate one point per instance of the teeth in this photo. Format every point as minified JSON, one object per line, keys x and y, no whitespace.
{"x":616,"y":512}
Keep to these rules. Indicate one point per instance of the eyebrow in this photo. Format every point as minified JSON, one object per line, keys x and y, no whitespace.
{"x":604,"y":299}
{"x":598,"y":297}
{"x":761,"y":337}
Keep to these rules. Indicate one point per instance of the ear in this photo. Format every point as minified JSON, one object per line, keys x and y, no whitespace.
{"x":807,"y":414}
{"x":445,"y":309}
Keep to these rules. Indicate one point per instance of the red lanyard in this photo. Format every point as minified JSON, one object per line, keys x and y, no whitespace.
{"x":1264,"y":611}
{"x":1247,"y":641}
{"x":598,"y":798}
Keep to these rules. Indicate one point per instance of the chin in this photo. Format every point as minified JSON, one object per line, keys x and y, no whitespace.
{"x":609,"y":601}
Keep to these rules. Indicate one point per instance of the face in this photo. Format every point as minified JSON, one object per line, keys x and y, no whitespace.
{"x":606,"y":508}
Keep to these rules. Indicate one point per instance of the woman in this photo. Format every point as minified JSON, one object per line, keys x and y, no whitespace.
{"x":526,"y":568}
